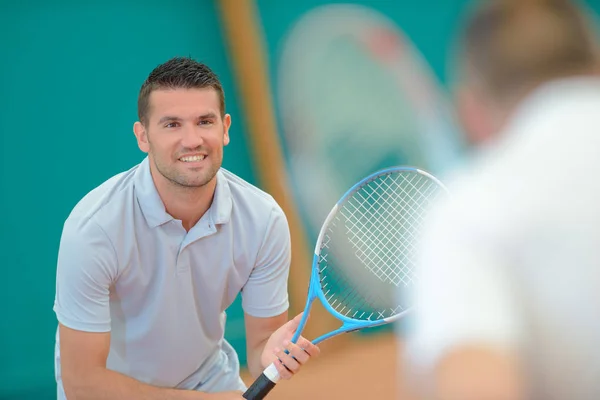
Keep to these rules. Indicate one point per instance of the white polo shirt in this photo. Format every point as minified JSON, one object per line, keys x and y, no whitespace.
{"x":512,"y":260}
{"x":128,"y":267}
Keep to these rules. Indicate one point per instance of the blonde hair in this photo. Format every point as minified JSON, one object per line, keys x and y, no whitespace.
{"x":512,"y":46}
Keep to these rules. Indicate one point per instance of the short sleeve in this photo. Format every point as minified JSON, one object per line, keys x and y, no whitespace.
{"x":266,"y":292}
{"x":85,"y":271}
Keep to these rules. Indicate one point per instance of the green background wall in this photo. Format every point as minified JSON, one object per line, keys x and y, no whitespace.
{"x":69,"y":76}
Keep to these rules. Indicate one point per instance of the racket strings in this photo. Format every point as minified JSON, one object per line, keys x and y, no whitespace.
{"x":369,"y":246}
{"x":353,"y":303}
{"x":382,"y":236}
{"x":356,"y":305}
{"x":361,"y":304}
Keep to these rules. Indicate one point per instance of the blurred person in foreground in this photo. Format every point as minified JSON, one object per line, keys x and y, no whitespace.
{"x":508,"y":296}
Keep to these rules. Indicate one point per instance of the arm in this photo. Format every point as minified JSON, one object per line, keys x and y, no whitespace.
{"x":85,"y":376}
{"x":258,"y":332}
{"x":265,"y":303}
{"x":475,"y":372}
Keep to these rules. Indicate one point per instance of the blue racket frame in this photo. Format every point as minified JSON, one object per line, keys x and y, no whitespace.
{"x":314,"y":288}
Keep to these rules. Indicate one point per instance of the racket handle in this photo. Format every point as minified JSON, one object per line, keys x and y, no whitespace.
{"x":263,"y":385}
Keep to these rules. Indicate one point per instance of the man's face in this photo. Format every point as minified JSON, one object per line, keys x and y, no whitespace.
{"x":184,"y":135}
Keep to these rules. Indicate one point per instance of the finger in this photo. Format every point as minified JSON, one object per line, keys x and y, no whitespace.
{"x":284,"y":372}
{"x":297,"y":352}
{"x":287,"y":360}
{"x":311,"y":349}
{"x":294,"y":323}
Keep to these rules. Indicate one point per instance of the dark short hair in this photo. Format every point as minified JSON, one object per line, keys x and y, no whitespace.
{"x":514,"y":45}
{"x":178,"y":73}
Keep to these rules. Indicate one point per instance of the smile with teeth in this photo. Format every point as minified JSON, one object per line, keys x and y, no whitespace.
{"x":192,"y":158}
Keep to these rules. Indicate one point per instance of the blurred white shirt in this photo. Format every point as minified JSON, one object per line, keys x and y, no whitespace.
{"x":513,"y":258}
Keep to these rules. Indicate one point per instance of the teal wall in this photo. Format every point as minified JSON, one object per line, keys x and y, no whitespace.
{"x":69,"y":76}
{"x":430,"y":23}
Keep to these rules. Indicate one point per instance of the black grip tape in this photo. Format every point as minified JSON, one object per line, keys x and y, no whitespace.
{"x":259,"y":389}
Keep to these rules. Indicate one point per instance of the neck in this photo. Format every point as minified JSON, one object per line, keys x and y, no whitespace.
{"x":187,"y":204}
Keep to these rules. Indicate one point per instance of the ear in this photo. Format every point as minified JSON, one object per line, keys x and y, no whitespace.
{"x":142,"y":137}
{"x":226,"y":125}
{"x":474,"y":115}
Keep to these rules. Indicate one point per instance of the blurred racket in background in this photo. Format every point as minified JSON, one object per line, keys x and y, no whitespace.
{"x":355,"y":96}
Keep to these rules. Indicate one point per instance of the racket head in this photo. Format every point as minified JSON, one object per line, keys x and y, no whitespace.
{"x":365,"y":255}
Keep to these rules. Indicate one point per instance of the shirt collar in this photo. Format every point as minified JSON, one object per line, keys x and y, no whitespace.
{"x":154,"y":209}
{"x":222,"y":204}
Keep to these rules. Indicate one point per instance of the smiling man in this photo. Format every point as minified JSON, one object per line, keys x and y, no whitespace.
{"x":150,"y":259}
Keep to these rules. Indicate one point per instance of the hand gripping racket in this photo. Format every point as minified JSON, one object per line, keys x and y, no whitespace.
{"x":365,"y":255}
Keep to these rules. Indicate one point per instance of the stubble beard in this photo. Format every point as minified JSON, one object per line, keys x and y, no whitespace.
{"x":190,"y":179}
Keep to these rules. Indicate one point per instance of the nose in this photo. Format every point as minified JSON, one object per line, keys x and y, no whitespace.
{"x":191,"y":137}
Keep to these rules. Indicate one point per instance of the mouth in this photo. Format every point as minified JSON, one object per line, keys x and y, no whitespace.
{"x":192,"y":159}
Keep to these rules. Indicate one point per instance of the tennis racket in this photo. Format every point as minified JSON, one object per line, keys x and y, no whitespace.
{"x":365,"y":255}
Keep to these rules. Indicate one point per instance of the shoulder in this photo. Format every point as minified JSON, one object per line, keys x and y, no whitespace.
{"x":256,"y":212}
{"x":247,"y":195}
{"x":102,"y":206}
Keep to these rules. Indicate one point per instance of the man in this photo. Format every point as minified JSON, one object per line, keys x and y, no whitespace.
{"x":509,"y":280}
{"x":151,"y":258}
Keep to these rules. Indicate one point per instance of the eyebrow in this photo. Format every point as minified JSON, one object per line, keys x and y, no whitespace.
{"x":168,"y":118}
{"x":209,"y":115}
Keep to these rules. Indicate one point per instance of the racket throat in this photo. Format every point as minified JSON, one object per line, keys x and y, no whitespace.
{"x":304,"y":318}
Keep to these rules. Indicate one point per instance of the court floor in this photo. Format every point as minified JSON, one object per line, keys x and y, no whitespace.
{"x":337,"y":372}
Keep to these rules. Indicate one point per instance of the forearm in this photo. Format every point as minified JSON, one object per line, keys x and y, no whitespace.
{"x":104,"y":384}
{"x":474,"y":373}
{"x":259,"y":336}
{"x":254,"y":355}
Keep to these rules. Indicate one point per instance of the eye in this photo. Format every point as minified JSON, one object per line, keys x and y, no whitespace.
{"x":205,"y":122}
{"x":172,"y":125}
